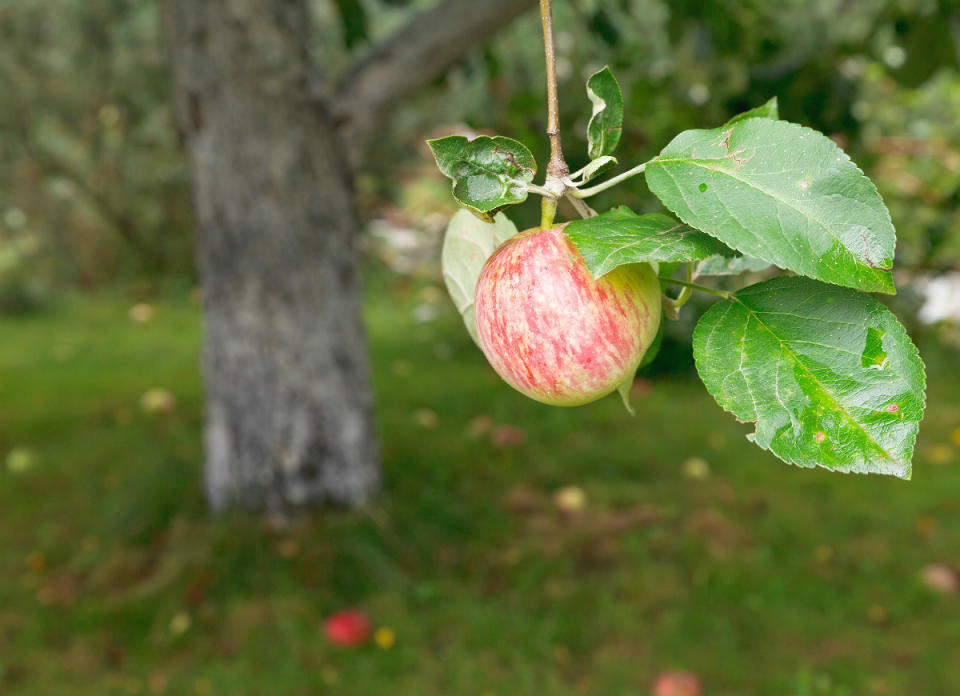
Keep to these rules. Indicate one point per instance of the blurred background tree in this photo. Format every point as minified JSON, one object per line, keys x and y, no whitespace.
{"x":95,"y":186}
{"x":93,"y":176}
{"x":517,"y":548}
{"x":272,"y":145}
{"x":91,"y":158}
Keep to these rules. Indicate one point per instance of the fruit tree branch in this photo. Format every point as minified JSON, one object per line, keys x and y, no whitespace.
{"x":557,"y":168}
{"x":411,"y":58}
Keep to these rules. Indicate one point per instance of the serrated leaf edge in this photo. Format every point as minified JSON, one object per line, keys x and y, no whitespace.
{"x":886,"y":211}
{"x":906,"y":467}
{"x":746,"y":114}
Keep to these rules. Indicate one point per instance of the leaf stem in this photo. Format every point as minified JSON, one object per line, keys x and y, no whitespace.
{"x":574,"y":175}
{"x":693,"y":286}
{"x":686,"y":292}
{"x":533,"y":188}
{"x":548,"y":210}
{"x":593,"y":190}
{"x":584,"y":210}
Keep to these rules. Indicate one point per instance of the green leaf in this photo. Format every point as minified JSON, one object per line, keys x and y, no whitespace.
{"x":767,"y":110}
{"x":828,"y":374}
{"x":467,"y":245}
{"x":782,"y":193}
{"x":620,"y":236}
{"x":667,"y":269}
{"x":597,"y":167}
{"x":719,"y":265}
{"x":353,"y":17}
{"x":606,"y":123}
{"x":487,"y":173}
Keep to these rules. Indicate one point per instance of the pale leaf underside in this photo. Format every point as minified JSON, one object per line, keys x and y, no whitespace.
{"x":467,"y":245}
{"x":606,"y":121}
{"x":720,"y":265}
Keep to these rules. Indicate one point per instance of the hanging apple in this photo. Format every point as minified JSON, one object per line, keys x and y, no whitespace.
{"x":554,"y":332}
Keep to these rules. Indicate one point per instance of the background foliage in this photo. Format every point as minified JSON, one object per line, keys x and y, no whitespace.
{"x":692,"y":550}
{"x":94,"y":187}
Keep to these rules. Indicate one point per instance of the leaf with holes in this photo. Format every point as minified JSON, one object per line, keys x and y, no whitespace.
{"x":467,"y":245}
{"x":766,"y":110}
{"x":620,"y":236}
{"x":606,"y":122}
{"x":487,"y":172}
{"x":782,"y":193}
{"x":827,"y":374}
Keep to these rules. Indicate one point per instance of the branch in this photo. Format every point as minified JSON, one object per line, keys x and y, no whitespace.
{"x":413,"y":57}
{"x":50,"y":163}
{"x":557,"y":168}
{"x":114,"y":216}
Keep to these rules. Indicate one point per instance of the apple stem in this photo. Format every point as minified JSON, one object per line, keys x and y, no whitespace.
{"x":557,"y":169}
{"x":548,"y":210}
{"x":693,"y":286}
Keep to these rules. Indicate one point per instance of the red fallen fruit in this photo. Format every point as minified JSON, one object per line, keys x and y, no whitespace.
{"x":555,"y":333}
{"x":677,"y":683}
{"x":348,"y":628}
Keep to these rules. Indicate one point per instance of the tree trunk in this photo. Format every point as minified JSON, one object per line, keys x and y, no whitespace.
{"x":289,"y":404}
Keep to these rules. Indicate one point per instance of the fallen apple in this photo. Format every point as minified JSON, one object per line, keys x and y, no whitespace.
{"x":348,"y":628}
{"x":555,"y":333}
{"x":677,"y":683}
{"x":158,"y":400}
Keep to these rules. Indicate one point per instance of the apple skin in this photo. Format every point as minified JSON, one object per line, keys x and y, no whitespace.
{"x":552,"y":331}
{"x":348,"y":628}
{"x":677,"y":683}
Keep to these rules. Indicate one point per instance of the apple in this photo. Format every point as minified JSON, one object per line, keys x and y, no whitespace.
{"x":156,"y":401}
{"x":554,"y":332}
{"x":677,"y":683}
{"x":348,"y":628}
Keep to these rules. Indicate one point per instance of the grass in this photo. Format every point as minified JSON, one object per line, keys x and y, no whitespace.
{"x":762,"y":578}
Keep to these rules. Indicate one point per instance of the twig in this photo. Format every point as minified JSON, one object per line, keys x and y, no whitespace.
{"x":557,"y":169}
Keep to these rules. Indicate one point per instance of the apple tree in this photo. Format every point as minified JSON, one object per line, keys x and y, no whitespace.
{"x":272,"y":145}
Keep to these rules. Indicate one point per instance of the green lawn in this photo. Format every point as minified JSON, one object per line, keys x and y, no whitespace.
{"x":766,"y":580}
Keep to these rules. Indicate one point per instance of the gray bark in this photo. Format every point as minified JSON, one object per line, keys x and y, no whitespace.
{"x":289,"y":403}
